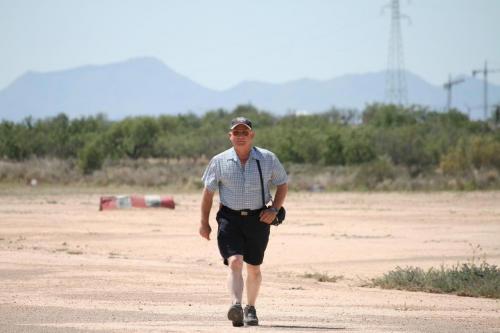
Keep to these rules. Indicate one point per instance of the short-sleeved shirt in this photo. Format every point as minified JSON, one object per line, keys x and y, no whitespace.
{"x":239,"y":186}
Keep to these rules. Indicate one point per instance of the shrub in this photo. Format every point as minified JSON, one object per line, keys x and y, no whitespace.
{"x":457,"y":161}
{"x":485,"y":152}
{"x":480,"y":152}
{"x":371,"y":174}
{"x":334,"y":149}
{"x":467,"y":279}
{"x":381,"y":115}
{"x":358,"y":147}
{"x":91,"y":157}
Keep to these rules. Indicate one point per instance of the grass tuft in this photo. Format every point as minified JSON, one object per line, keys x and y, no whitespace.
{"x":469,"y":279}
{"x":322,"y":277}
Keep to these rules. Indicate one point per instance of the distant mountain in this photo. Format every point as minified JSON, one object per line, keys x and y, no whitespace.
{"x":146,"y":86}
{"x":134,"y":87}
{"x":348,"y":91}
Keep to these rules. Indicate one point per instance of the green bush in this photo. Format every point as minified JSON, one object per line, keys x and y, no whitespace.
{"x":91,"y":157}
{"x":413,"y":138}
{"x":358,"y":147}
{"x":477,"y":152}
{"x":467,"y":279}
{"x":457,"y":161}
{"x":371,"y":174}
{"x":388,"y":115}
{"x":334,"y":149}
{"x":485,"y":152}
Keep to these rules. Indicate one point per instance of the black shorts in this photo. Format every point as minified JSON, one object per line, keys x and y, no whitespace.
{"x":243,"y":235}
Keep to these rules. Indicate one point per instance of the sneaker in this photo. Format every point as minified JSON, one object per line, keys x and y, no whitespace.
{"x":251,"y":316}
{"x":235,"y":314}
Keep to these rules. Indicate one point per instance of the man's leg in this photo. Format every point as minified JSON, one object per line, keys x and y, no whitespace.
{"x":235,"y":285}
{"x":235,"y":278}
{"x":254,"y":279}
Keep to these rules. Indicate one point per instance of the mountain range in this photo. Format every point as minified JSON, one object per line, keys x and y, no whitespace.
{"x":146,"y":86}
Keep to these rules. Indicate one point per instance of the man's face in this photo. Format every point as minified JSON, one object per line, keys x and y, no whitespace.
{"x":241,"y":136}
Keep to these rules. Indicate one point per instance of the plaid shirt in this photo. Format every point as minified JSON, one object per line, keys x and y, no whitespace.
{"x":239,"y":187}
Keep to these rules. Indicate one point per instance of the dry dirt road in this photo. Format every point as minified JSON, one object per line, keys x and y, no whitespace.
{"x":66,"y":267}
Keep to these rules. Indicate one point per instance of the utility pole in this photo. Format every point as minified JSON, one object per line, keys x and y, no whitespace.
{"x":485,"y":72}
{"x":449,"y":86}
{"x":395,"y":82}
{"x":496,"y":115}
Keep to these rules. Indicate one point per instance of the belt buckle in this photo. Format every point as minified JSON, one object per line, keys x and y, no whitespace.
{"x":244,"y":213}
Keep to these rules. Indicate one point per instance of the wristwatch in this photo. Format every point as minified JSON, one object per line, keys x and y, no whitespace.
{"x":274,"y":209}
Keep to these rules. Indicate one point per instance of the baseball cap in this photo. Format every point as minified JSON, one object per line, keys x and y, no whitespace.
{"x":240,"y":121}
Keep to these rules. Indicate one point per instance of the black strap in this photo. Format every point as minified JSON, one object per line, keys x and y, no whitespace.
{"x":261,"y":182}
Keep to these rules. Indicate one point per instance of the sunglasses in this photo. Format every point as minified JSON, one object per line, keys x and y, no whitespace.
{"x":240,"y":133}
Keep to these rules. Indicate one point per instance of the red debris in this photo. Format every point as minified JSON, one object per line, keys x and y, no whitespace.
{"x":138,"y":201}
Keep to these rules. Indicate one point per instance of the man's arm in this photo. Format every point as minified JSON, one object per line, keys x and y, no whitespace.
{"x":206,"y":206}
{"x":269,"y":215}
{"x":279,"y":197}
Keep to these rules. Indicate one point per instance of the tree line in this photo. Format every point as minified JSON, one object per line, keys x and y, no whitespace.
{"x":415,"y":137}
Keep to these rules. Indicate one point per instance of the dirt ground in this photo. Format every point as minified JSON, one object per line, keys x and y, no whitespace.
{"x":66,"y":267}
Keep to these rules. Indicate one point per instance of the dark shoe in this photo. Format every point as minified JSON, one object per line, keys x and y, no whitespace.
{"x":251,"y":316}
{"x":235,"y":314}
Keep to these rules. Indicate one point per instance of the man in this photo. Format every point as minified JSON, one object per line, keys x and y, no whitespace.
{"x":243,"y":219}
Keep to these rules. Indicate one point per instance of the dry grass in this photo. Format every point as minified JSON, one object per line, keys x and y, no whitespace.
{"x":185,"y":174}
{"x":180,"y":174}
{"x":383,"y":176}
{"x":466,"y":279}
{"x":481,"y":280}
{"x":322,"y":277}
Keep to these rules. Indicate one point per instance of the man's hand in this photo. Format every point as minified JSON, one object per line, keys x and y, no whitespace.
{"x":268,"y":215}
{"x":206,"y":205}
{"x":205,"y":230}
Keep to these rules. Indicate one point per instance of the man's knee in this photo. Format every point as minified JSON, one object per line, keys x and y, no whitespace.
{"x":235,"y":262}
{"x":253,"y":270}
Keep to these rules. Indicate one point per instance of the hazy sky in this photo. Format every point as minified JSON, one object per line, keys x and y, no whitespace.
{"x":220,"y":43}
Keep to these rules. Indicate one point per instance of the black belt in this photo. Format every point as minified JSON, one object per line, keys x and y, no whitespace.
{"x":243,"y":212}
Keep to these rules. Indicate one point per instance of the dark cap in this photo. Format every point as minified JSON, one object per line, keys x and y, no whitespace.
{"x":241,"y":121}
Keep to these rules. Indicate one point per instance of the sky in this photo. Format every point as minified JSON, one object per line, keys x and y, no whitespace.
{"x":220,"y":43}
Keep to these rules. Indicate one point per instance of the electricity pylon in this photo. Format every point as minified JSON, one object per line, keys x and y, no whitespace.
{"x":396,"y":91}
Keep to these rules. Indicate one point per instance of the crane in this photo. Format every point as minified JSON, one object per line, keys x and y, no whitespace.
{"x":449,"y":86}
{"x":485,"y":72}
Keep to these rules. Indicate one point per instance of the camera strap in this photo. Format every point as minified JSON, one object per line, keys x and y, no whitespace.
{"x":261,"y":182}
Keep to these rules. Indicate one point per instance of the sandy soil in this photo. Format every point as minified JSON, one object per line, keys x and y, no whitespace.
{"x":66,"y":267}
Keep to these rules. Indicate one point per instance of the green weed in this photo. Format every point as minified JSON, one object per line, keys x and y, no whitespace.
{"x":463,"y":279}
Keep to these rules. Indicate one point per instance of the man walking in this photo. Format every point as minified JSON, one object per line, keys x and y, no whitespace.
{"x":243,"y":219}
